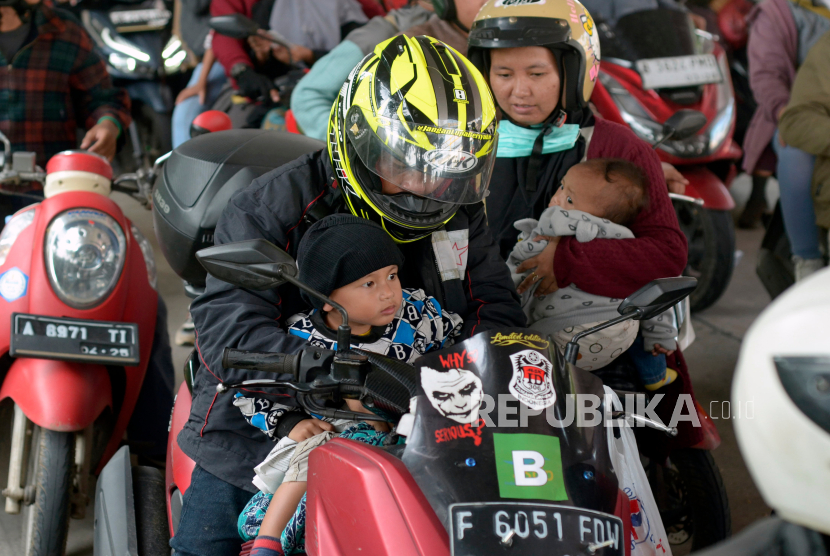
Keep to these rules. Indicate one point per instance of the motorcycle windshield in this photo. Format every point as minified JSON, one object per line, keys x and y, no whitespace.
{"x":498,"y":421}
{"x":660,"y":33}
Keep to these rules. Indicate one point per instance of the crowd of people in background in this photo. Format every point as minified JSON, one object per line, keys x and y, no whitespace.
{"x":328,"y":37}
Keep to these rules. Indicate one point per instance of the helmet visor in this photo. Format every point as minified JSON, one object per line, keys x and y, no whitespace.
{"x":439,"y":163}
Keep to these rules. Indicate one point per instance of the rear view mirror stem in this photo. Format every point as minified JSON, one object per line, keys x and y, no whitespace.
{"x":344,"y":331}
{"x":572,"y":347}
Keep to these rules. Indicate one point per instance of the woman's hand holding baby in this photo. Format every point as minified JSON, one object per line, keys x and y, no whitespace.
{"x":542,"y":265}
{"x":309,"y":427}
{"x":658,"y":349}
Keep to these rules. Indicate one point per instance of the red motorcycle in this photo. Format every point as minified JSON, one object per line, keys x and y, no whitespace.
{"x":76,"y":331}
{"x":142,"y":520}
{"x":655,"y":63}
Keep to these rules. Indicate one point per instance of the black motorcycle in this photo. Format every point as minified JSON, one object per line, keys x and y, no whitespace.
{"x":144,"y":57}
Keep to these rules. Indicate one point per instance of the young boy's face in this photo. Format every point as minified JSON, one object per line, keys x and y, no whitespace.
{"x":373,"y":300}
{"x":581,"y":189}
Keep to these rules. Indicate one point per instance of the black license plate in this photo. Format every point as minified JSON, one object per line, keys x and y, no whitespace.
{"x":74,"y":339}
{"x":486,"y":528}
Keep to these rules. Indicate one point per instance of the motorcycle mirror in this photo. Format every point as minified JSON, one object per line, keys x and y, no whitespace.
{"x":257,"y":264}
{"x":254,"y":265}
{"x":657,"y":296}
{"x":683,"y":124}
{"x":235,"y":26}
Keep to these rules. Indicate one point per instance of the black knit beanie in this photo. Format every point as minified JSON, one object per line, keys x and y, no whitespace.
{"x":342,"y":248}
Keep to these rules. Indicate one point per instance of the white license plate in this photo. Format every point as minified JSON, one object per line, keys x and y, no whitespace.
{"x":477,"y":529}
{"x":140,"y":17}
{"x":68,"y":339}
{"x":679,"y":71}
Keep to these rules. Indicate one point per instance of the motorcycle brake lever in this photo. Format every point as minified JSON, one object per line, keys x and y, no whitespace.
{"x":299,"y":387}
{"x":670,"y":431}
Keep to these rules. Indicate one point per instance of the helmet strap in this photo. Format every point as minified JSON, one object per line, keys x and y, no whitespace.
{"x":460,"y":25}
{"x":556,"y":119}
{"x":535,"y":161}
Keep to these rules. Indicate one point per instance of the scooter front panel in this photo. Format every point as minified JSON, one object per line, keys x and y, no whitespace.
{"x":497,"y":423}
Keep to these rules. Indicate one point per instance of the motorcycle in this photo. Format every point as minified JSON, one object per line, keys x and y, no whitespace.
{"x":644,"y":79}
{"x":78,"y":283}
{"x":143,"y":56}
{"x":186,"y":212}
{"x":259,"y":112}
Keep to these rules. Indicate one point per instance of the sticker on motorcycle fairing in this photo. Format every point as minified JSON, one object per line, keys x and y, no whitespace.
{"x":529,"y":340}
{"x":456,"y":394}
{"x":13,"y":284}
{"x":508,"y":3}
{"x":529,"y":466}
{"x":455,"y":432}
{"x":531,"y":383}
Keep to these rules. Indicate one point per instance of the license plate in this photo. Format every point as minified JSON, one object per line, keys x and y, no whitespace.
{"x":150,"y":16}
{"x":74,"y":339}
{"x":477,"y":529}
{"x":679,"y":71}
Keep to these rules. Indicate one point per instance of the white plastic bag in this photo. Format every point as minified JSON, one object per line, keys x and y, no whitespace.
{"x":648,"y":536}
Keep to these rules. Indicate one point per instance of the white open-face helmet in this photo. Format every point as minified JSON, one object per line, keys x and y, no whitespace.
{"x":781,"y":393}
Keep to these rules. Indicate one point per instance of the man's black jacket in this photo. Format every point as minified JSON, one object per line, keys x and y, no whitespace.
{"x":275,"y":207}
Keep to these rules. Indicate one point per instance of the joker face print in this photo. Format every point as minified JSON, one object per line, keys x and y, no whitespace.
{"x":456,"y":394}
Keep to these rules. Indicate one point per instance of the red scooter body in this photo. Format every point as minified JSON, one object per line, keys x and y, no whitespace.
{"x":703,"y":183}
{"x":67,"y":395}
{"x":179,"y":467}
{"x":360,"y":484}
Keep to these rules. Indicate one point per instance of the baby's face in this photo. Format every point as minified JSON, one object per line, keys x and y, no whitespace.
{"x":581,"y":189}
{"x":374,"y":299}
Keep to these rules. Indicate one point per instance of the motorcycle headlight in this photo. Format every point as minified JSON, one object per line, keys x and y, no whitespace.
{"x":147,"y":251}
{"x":85,"y":251}
{"x":122,"y":55}
{"x":173,"y":55}
{"x":650,"y":131}
{"x":16,"y":225}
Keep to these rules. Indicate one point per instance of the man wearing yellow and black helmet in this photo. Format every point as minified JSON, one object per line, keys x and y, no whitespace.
{"x":411,"y":146}
{"x":412,"y":136}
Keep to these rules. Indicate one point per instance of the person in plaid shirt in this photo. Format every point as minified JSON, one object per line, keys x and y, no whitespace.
{"x":52,"y":82}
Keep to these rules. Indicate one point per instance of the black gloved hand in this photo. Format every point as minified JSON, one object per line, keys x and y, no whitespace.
{"x":255,"y":85}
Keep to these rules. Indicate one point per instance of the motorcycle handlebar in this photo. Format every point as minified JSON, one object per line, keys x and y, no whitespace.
{"x":268,"y":362}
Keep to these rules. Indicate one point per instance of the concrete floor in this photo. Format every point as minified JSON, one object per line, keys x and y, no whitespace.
{"x":711,"y":361}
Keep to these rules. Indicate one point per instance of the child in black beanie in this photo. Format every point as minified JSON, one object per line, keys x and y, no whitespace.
{"x":354,"y":262}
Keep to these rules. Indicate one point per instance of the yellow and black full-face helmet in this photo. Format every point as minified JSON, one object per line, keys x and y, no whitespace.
{"x":412,"y":136}
{"x":563,"y":26}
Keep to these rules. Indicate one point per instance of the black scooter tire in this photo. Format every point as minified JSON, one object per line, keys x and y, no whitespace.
{"x":711,"y":238}
{"x":152,"y":532}
{"x":706,"y":495}
{"x":46,"y":523}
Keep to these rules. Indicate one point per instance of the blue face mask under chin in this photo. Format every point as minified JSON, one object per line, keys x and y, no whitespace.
{"x":517,"y":142}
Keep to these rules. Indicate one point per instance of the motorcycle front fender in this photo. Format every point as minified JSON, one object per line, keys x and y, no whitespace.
{"x":705,"y":185}
{"x":61,"y":396}
{"x":115,"y":529}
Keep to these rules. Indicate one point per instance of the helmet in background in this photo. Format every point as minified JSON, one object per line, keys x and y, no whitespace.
{"x":781,"y":403}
